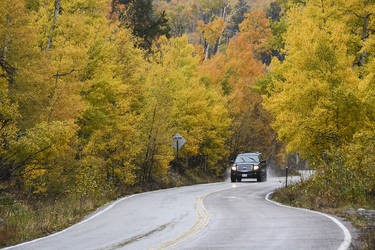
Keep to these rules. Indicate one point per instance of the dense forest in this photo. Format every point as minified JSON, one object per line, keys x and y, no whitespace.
{"x":92,"y":91}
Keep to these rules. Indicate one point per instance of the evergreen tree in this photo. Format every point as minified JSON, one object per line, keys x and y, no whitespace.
{"x":139,"y":16}
{"x":278,"y":26}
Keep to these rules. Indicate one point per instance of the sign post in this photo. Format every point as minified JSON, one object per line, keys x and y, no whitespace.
{"x":177,"y":142}
{"x":286,"y":176}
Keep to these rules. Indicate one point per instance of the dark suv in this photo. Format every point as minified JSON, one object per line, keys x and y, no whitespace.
{"x":248,"y":165}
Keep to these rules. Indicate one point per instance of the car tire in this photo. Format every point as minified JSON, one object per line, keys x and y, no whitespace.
{"x":238,"y":179}
{"x":259,"y":179}
{"x":233,"y":179}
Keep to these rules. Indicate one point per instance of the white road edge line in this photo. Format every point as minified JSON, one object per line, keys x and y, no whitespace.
{"x":97,"y":214}
{"x":347,"y":236}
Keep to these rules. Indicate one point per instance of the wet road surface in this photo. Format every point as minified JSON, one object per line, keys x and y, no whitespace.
{"x":210,"y":216}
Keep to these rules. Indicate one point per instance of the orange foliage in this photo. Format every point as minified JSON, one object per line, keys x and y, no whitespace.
{"x":211,"y":31}
{"x":256,"y":29}
{"x":245,"y":69}
{"x":235,"y":74}
{"x":241,"y":58}
{"x":113,"y":10}
{"x":238,"y":68}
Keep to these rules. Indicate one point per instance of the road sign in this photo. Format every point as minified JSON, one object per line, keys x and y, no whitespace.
{"x":178,"y":141}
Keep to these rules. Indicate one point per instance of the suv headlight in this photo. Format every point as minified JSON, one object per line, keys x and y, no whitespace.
{"x":234,"y":167}
{"x":256,"y":168}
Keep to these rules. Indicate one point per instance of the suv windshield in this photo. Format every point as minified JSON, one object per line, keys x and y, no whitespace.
{"x":247,"y":159}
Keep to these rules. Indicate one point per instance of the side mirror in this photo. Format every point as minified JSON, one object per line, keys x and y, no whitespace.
{"x":231,"y":161}
{"x":263,"y":162}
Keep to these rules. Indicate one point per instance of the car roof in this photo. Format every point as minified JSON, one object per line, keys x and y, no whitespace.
{"x":252,"y":153}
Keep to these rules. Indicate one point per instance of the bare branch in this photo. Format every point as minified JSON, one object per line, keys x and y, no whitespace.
{"x":64,"y":74}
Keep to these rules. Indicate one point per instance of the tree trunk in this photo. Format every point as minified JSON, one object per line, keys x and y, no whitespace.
{"x":364,"y":36}
{"x":207,"y":52}
{"x":10,"y":71}
{"x":52,"y":97}
{"x":145,"y":161}
{"x":57,"y":10}
{"x":53,"y":94}
{"x":224,"y":15}
{"x":149,"y":177}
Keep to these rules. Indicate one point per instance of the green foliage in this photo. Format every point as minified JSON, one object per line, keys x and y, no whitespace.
{"x":139,"y":16}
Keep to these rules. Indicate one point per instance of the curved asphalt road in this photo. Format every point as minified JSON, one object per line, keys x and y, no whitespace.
{"x":211,"y":216}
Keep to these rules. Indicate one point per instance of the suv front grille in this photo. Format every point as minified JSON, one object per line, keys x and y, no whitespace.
{"x":245,"y":167}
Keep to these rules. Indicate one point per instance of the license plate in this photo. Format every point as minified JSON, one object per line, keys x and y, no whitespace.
{"x":244,"y":175}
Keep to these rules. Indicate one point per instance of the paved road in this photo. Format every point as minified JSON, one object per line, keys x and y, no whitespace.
{"x":211,"y":216}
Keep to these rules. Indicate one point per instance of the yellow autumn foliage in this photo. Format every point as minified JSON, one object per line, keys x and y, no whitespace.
{"x":321,"y":96}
